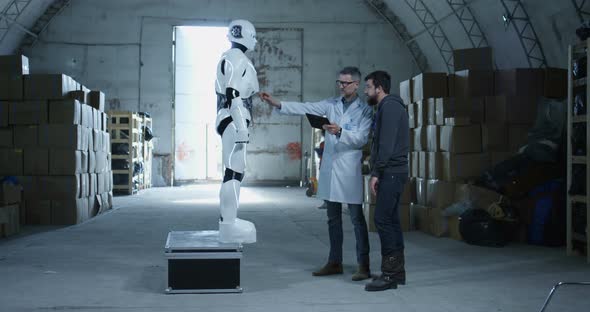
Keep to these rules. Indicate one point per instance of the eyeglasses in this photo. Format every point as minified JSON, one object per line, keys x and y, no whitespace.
{"x":345,"y":83}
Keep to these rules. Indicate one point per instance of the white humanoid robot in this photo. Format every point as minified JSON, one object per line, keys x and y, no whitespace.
{"x":236,"y":83}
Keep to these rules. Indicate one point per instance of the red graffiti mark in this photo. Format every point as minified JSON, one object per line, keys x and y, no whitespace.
{"x":183,"y":151}
{"x":294,"y":150}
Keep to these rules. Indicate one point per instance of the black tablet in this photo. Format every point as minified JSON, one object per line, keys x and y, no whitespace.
{"x":317,"y":121}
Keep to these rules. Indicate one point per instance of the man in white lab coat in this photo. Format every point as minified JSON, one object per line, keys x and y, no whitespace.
{"x":341,"y":180}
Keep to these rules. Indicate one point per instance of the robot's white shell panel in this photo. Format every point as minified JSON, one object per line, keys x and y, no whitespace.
{"x":238,"y":72}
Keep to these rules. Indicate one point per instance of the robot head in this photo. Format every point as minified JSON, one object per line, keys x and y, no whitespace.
{"x":242,"y":32}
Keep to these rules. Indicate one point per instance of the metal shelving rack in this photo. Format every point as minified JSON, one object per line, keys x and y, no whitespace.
{"x":125,"y":127}
{"x":577,"y":241}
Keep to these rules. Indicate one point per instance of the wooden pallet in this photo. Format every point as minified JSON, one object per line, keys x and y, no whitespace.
{"x":577,"y":242}
{"x":125,"y":127}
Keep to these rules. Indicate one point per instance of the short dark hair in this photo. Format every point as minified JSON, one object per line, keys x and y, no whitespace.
{"x":380,"y":79}
{"x":352,"y":71}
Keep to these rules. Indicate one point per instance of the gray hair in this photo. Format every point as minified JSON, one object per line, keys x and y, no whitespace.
{"x":352,"y":71}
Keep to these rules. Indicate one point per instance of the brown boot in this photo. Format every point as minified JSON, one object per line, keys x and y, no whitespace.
{"x":362,"y":273}
{"x":329,"y":269}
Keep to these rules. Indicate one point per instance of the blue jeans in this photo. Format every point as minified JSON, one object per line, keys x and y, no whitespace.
{"x":387,"y":220}
{"x":336,"y":236}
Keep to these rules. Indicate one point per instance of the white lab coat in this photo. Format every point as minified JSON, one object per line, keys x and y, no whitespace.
{"x":341,"y":177}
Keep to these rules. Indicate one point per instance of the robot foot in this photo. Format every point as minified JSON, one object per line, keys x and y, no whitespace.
{"x":241,"y":231}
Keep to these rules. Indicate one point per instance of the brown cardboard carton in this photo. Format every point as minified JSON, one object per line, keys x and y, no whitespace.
{"x":404,"y":217}
{"x":78,"y":95}
{"x":494,"y":137}
{"x":85,"y":185}
{"x":87,"y":118}
{"x":415,"y":163}
{"x":49,"y":86}
{"x":66,"y":162}
{"x":440,"y":194}
{"x":511,"y":109}
{"x":421,"y":191}
{"x":10,"y":193}
{"x":6,"y":137}
{"x":429,"y":85}
{"x":9,"y":220}
{"x":11,"y":89}
{"x":458,"y":121}
{"x":474,"y":83}
{"x":555,"y":83}
{"x":59,"y":187}
{"x":4,"y":114}
{"x":450,"y":107}
{"x":93,"y":187}
{"x":97,"y":138}
{"x":69,"y":211}
{"x":459,"y":167}
{"x":421,"y":115}
{"x":473,"y":58}
{"x":435,"y":165}
{"x":461,"y":139}
{"x":92,"y":162}
{"x":420,"y":139}
{"x":519,"y":81}
{"x":438,"y":223}
{"x":28,"y":113}
{"x":38,"y":212}
{"x":30,"y":187}
{"x":96,"y":99}
{"x":67,"y":112}
{"x":477,"y":114}
{"x":481,"y":198}
{"x":412,"y":111}
{"x":11,"y":162}
{"x":518,"y":136}
{"x":102,"y":182}
{"x":423,"y":165}
{"x":454,"y":232}
{"x":36,"y":161}
{"x":14,"y":66}
{"x":498,"y":157}
{"x":421,"y":220}
{"x":451,"y":85}
{"x":433,"y":138}
{"x":26,"y":136}
{"x":96,"y":121}
{"x":409,"y":193}
{"x":63,"y":137}
{"x":405,"y":91}
{"x":101,"y":161}
{"x":430,"y":113}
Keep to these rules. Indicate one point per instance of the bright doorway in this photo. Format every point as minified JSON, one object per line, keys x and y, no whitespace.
{"x":197,"y":146}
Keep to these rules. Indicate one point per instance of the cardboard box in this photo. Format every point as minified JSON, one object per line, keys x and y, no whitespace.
{"x":30,"y":187}
{"x":518,"y":136}
{"x":28,"y":113}
{"x":9,"y":220}
{"x":477,"y":114}
{"x":106,"y":142}
{"x":92,"y":162}
{"x":96,"y":99}
{"x":405,"y":91}
{"x":6,"y":137}
{"x":97,"y":138}
{"x":11,"y":89}
{"x":433,"y":138}
{"x":11,"y":162}
{"x":93,"y":184}
{"x":38,"y":212}
{"x":96,"y":114}
{"x":59,"y":187}
{"x":420,"y":213}
{"x":63,"y":137}
{"x":67,"y":112}
{"x":429,"y":85}
{"x":87,"y":117}
{"x":102,"y":182}
{"x":555,"y":83}
{"x":36,"y":161}
{"x":69,"y":211}
{"x":519,"y":81}
{"x":423,"y":164}
{"x":90,"y":135}
{"x":66,"y":162}
{"x":498,"y":157}
{"x":49,"y":86}
{"x":440,"y":194}
{"x":14,"y":66}
{"x":26,"y":136}
{"x":101,"y":161}
{"x":480,"y":198}
{"x":4,"y":114}
{"x":460,"y":167}
{"x":85,"y":184}
{"x":474,"y":83}
{"x":451,"y":85}
{"x":494,"y":137}
{"x":458,"y":121}
{"x":412,"y":112}
{"x":430,"y":112}
{"x":461,"y":139}
{"x":421,"y":116}
{"x":78,"y":95}
{"x":105,"y":122}
{"x":474,"y":59}
{"x":421,"y":191}
{"x":104,"y":203}
{"x":409,"y":193}
{"x":454,"y":231}
{"x":511,"y":109}
{"x":420,"y":139}
{"x":415,"y":164}
{"x":404,"y":215}
{"x":10,"y":193}
{"x":448,"y":108}
{"x":438,"y":223}
{"x":435,"y":165}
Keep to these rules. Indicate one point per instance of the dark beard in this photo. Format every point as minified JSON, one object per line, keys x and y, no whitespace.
{"x":372,"y":101}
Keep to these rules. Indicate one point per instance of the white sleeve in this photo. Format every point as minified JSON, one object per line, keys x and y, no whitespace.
{"x":320,"y":108}
{"x":357,"y":138}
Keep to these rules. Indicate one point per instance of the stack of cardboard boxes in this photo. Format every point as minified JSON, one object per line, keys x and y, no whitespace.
{"x":463,"y":123}
{"x":10,"y":200}
{"x":53,"y":141}
{"x":370,"y":201}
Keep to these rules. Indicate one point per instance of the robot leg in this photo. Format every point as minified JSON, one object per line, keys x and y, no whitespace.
{"x":239,"y":114}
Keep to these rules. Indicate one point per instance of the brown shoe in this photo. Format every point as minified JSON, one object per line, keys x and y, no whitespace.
{"x":329,"y":269}
{"x":362,"y":273}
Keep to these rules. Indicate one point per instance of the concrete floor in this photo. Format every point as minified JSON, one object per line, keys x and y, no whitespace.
{"x":115,"y":262}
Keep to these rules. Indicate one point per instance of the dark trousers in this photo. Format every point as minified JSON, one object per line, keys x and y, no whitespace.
{"x":387,"y":220}
{"x":336,"y":236}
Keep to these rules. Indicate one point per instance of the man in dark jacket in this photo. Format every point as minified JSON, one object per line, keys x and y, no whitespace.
{"x":389,"y":173}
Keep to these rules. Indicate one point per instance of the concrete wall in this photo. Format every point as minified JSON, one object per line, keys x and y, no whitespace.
{"x":125,"y":48}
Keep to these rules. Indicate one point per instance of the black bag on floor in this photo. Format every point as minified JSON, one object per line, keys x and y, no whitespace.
{"x":477,"y":227}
